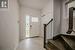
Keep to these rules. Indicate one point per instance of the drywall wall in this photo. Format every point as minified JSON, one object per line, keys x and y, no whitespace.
{"x":31,"y":12}
{"x":72,"y":4}
{"x":64,"y":21}
{"x":9,"y":27}
{"x":57,"y":17}
{"x":48,"y":12}
{"x":65,"y":16}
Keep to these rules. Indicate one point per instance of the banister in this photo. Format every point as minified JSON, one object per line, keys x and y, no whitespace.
{"x":70,"y":29}
{"x":69,"y":1}
{"x":45,"y":25}
{"x":49,"y":22}
{"x":73,"y":8}
{"x":44,"y":35}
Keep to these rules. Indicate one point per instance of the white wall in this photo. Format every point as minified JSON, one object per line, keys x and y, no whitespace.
{"x":57,"y":17}
{"x":65,"y":16}
{"x":27,"y":11}
{"x":59,"y":11}
{"x":9,"y":29}
{"x":72,"y":5}
{"x":48,"y":12}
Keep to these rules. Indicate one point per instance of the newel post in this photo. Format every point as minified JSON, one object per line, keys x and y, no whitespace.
{"x":44,"y":35}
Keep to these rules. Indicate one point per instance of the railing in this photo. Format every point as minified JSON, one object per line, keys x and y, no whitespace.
{"x":69,"y":1}
{"x":70,"y":25}
{"x":47,"y":27}
{"x":70,"y":28}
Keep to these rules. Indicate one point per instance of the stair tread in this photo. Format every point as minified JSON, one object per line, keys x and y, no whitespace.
{"x":57,"y":36}
{"x":70,"y":41}
{"x":58,"y":44}
{"x":62,"y":42}
{"x":51,"y":47}
{"x":71,"y":35}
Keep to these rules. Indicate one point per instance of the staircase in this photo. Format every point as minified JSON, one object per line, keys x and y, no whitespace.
{"x":61,"y":42}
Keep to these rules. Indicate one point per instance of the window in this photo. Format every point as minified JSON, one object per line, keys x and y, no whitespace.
{"x":35,"y":19}
{"x":27,"y":26}
{"x":3,"y":3}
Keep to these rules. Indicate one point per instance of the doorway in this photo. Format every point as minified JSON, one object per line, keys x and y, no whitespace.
{"x":27,"y":26}
{"x":32,"y":26}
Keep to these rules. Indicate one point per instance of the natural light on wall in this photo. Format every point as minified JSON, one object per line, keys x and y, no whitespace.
{"x":27,"y":26}
{"x":35,"y":19}
{"x":29,"y":19}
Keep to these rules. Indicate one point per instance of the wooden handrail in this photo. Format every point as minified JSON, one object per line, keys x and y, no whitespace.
{"x":73,"y":8}
{"x":45,"y":25}
{"x":69,"y":1}
{"x":70,"y":29}
{"x":49,"y":22}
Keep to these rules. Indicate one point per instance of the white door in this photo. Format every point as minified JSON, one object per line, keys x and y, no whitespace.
{"x":32,"y":26}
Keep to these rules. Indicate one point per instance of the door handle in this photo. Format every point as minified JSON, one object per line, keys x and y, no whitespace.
{"x":30,"y":25}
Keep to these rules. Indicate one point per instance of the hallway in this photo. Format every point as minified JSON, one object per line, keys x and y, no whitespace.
{"x":31,"y":44}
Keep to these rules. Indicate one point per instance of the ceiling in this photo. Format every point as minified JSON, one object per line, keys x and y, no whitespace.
{"x":37,"y":4}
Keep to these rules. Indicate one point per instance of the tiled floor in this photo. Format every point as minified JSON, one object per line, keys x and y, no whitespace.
{"x":31,"y":44}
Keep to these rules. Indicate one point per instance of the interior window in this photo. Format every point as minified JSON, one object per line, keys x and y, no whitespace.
{"x":35,"y":19}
